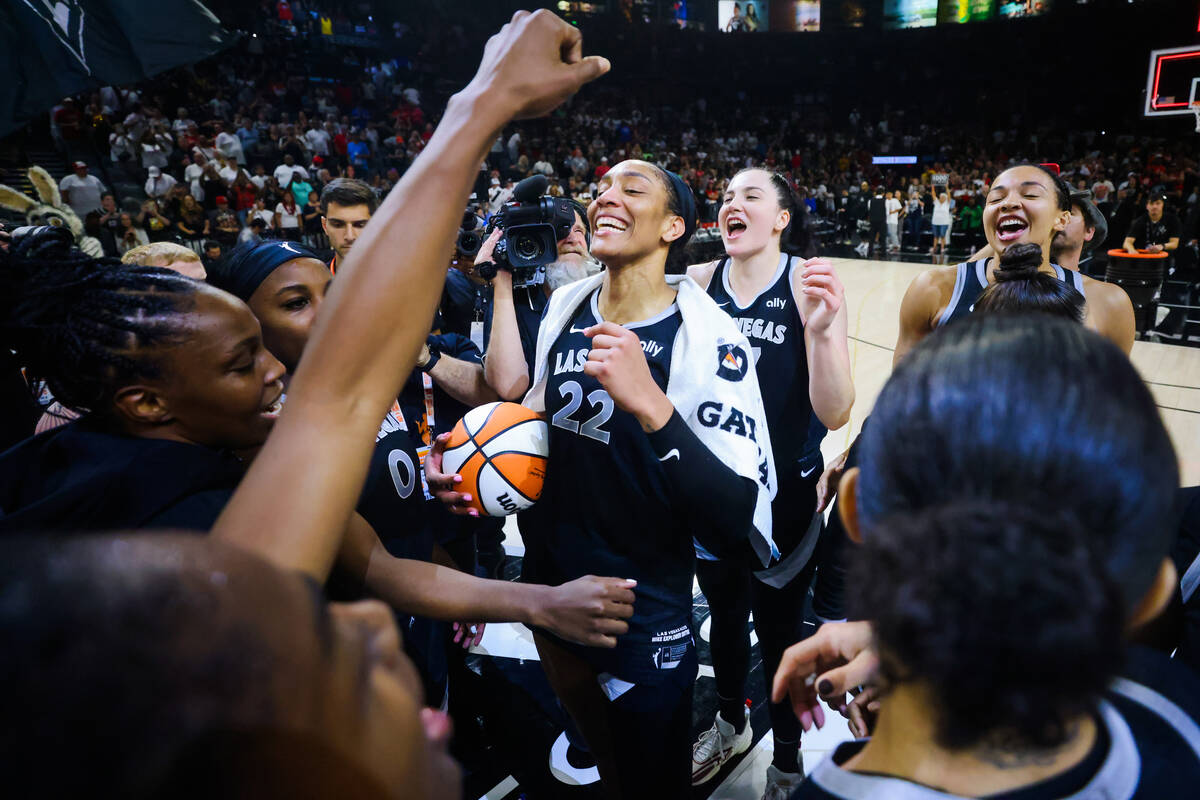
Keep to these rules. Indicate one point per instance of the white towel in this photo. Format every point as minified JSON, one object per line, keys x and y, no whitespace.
{"x":713,"y":386}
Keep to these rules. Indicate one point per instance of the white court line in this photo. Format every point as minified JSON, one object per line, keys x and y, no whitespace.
{"x":501,"y":790}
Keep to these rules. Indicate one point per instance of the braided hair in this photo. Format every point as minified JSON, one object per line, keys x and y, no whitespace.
{"x":82,"y":324}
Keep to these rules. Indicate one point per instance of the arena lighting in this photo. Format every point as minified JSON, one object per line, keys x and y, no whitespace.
{"x":893,"y":159}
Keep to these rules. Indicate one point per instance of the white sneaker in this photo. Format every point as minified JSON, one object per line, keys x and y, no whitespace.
{"x":780,"y":785}
{"x":717,"y":745}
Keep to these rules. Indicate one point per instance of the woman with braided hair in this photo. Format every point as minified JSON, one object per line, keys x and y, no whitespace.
{"x":170,"y":373}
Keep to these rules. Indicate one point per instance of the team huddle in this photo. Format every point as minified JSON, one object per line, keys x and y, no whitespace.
{"x":302,"y":421}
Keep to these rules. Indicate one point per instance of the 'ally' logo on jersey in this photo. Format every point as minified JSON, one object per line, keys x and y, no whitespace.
{"x":732,"y":363}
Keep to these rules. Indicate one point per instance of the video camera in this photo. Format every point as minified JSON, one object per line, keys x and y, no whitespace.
{"x":532,"y":223}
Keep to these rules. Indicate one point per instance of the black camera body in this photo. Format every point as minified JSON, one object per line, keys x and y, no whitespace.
{"x":533,"y":225}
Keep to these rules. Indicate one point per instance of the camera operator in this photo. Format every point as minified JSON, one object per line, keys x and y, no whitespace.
{"x":513,"y":317}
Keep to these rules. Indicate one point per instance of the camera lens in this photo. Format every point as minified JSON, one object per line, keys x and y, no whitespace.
{"x":528,"y":248}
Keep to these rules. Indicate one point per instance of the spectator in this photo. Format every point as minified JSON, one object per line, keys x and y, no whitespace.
{"x":893,"y":207}
{"x":287,"y":218}
{"x":358,"y":151}
{"x":1155,"y":231}
{"x":129,"y":235}
{"x":223,"y":223}
{"x":110,"y":223}
{"x":229,"y":145}
{"x":192,"y":223}
{"x":193,"y":173}
{"x":264,"y":213}
{"x":301,"y":189}
{"x":121,"y":148}
{"x":155,"y":223}
{"x":312,"y":219}
{"x":158,"y":184}
{"x":252,"y":233}
{"x":229,"y":170}
{"x":212,"y":253}
{"x":284,"y":172}
{"x":81,"y":191}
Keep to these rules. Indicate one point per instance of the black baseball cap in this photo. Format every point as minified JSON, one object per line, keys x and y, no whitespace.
{"x":1083,"y":199}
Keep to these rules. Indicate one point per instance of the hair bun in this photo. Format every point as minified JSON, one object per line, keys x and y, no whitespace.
{"x":1019,"y":263}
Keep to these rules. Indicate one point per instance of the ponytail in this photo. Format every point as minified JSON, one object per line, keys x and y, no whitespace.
{"x":1021,"y":286}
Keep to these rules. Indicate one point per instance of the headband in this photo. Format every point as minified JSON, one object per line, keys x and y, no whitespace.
{"x":687,"y":202}
{"x":245,"y":268}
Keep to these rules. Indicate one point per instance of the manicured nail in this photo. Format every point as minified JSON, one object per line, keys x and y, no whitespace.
{"x":825,"y":687}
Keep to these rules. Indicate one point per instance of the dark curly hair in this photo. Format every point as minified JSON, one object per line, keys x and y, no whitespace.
{"x":85,"y":326}
{"x":1015,"y":502}
{"x":1007,"y":606}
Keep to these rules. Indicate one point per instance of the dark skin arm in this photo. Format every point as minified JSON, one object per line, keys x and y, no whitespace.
{"x":292,"y":508}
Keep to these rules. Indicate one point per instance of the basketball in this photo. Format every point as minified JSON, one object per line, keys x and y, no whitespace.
{"x":500,"y":451}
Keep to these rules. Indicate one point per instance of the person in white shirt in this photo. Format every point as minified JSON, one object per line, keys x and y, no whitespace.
{"x":259,"y":178}
{"x":229,"y":145}
{"x":120,"y":146}
{"x":285,"y":171}
{"x":893,"y":221}
{"x":182,"y":121}
{"x":81,"y":191}
{"x":543,"y":167}
{"x":194,"y":175}
{"x":158,"y":184}
{"x":317,"y":139}
{"x":229,"y":172}
{"x":941,"y":223}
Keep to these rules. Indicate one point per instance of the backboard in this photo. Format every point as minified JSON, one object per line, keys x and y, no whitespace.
{"x":1173,"y":81}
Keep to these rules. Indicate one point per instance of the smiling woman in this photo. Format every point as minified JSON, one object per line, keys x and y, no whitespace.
{"x":170,"y":374}
{"x":1025,"y":205}
{"x":654,"y":446}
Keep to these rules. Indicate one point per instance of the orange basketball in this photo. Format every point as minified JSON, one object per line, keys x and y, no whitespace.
{"x":500,"y":451}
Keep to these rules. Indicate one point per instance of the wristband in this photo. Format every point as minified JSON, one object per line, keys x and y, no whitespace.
{"x":434,"y":356}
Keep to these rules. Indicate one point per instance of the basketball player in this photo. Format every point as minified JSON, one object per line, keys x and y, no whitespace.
{"x":1010,"y":561}
{"x":795,"y":317}
{"x":1086,"y":232}
{"x":656,"y":436}
{"x":1025,"y":204}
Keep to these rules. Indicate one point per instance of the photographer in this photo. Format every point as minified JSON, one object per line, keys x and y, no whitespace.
{"x":513,"y":316}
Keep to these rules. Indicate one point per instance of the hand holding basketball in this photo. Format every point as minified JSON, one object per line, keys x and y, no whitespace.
{"x":445,"y":486}
{"x":619,"y":363}
{"x":821,"y":295}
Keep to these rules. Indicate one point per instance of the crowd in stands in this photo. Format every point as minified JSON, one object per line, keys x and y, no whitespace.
{"x":239,"y":147}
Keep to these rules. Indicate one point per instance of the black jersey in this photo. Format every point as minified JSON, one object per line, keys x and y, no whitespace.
{"x":771,"y":321}
{"x":1148,"y":747}
{"x":605,"y":508}
{"x":971,"y":280}
{"x":393,"y":499}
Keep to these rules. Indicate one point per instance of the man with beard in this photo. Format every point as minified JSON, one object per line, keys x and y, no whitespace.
{"x":513,"y":316}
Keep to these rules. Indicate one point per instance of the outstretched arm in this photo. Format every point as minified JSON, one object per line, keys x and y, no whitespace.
{"x":292,"y":507}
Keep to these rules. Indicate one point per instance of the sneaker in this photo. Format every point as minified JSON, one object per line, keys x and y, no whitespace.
{"x":717,"y":745}
{"x":780,"y":785}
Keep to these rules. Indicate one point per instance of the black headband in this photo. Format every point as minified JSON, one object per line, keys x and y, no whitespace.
{"x":687,"y":203}
{"x":245,"y":268}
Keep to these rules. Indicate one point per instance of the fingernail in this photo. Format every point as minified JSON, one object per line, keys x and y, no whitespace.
{"x":825,"y":687}
{"x":466,"y":498}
